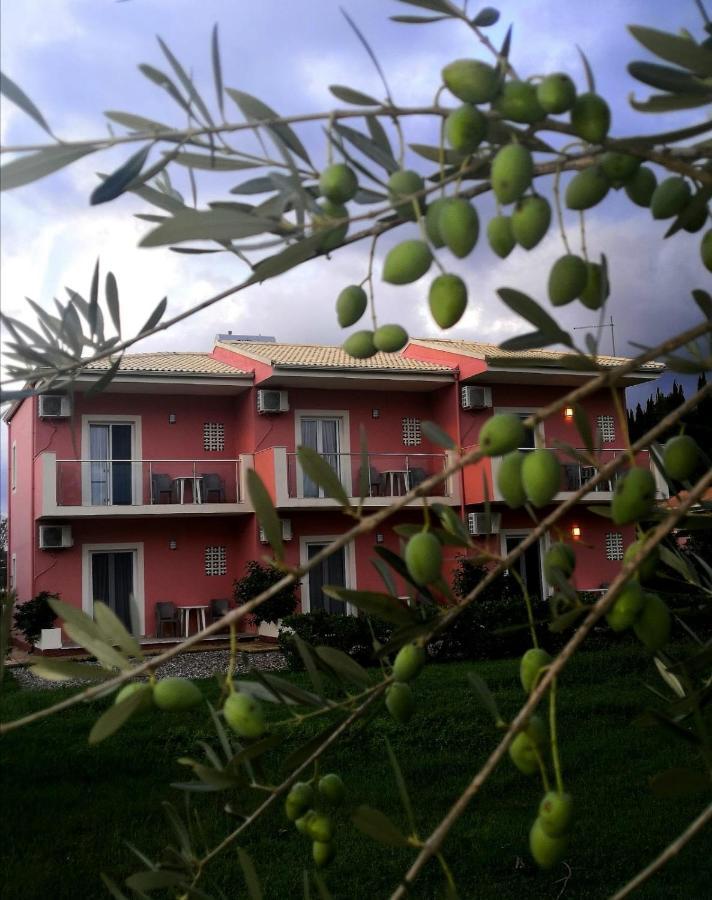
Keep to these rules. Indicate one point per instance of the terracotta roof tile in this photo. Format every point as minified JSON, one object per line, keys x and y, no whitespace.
{"x":316,"y":356}
{"x":174,"y":363}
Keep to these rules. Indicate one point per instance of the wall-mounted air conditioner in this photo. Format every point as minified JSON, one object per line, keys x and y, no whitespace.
{"x":286,"y":531}
{"x":479,"y":523}
{"x":55,"y":537}
{"x":474,"y":396}
{"x":54,"y":406}
{"x":272,"y":402}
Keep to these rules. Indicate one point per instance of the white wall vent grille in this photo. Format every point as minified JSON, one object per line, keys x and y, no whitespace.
{"x":216,"y":560}
{"x":607,"y":429}
{"x":213,"y":436}
{"x":614,"y":545}
{"x":412,"y":435}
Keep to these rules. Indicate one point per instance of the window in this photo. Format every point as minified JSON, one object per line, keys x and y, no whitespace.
{"x":215,"y":561}
{"x":614,"y":545}
{"x":606,"y":428}
{"x":13,"y":466}
{"x":213,"y":436}
{"x":411,"y":432}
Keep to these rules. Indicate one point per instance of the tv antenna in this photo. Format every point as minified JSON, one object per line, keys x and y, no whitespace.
{"x":609,"y":324}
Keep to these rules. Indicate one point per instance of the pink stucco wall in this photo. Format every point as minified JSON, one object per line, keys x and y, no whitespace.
{"x":20,"y":500}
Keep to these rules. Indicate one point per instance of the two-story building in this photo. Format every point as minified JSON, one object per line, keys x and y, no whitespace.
{"x":136,"y":495}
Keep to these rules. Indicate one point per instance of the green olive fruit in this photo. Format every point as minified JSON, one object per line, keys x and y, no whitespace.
{"x":301,"y":794}
{"x":407,"y":262}
{"x":694,"y":216}
{"x":530,"y":221}
{"x":447,"y":299}
{"x":597,"y":289}
{"x":653,"y":623}
{"x":432,"y":221}
{"x":338,"y":183}
{"x":400,"y":702}
{"x":501,"y":434}
{"x":633,"y":497}
{"x":176,"y":694}
{"x":619,"y":167}
{"x":512,"y":171}
{"x":409,"y":662}
{"x":556,"y":93}
{"x":681,"y":456}
{"x":555,"y":813}
{"x":333,"y":235}
{"x":302,"y":823}
{"x":320,"y":828}
{"x":500,"y":236}
{"x":137,"y":687}
{"x":522,"y":754}
{"x":627,"y":607}
{"x":390,"y":338}
{"x":559,"y":557}
{"x":641,"y":186}
{"x":670,"y":197}
{"x":587,"y":188}
{"x":424,"y":557}
{"x":567,"y":279}
{"x":537,"y":731}
{"x":292,"y":810}
{"x":322,"y":853}
{"x":471,"y":80}
{"x":591,"y":118}
{"x":706,"y":250}
{"x":530,"y":665}
{"x":517,"y":101}
{"x":541,"y":476}
{"x":509,"y":479}
{"x":332,"y":788}
{"x":360,"y":345}
{"x":244,"y":714}
{"x":546,"y":851}
{"x":351,"y":305}
{"x":465,"y":128}
{"x":647,"y":568}
{"x":459,"y":226}
{"x":401,"y":185}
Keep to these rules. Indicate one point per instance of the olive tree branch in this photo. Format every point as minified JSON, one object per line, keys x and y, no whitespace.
{"x":435,"y":841}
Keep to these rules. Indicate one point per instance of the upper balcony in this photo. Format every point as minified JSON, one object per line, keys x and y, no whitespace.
{"x":385,"y":477}
{"x":96,"y":488}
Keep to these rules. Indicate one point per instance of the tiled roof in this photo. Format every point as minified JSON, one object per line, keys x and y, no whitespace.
{"x":317,"y":356}
{"x":492,"y":352}
{"x":174,"y":363}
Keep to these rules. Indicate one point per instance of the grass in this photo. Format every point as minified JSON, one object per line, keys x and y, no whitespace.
{"x":67,"y":809}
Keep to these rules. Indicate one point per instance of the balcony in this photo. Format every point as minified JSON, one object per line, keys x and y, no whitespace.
{"x":140,"y":487}
{"x":385,"y":477}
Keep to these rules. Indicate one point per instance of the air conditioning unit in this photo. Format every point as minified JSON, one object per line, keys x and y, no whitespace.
{"x":286,"y":531}
{"x":272,"y":402}
{"x":55,"y":537}
{"x":479,"y":523}
{"x":474,"y":396}
{"x":54,"y":406}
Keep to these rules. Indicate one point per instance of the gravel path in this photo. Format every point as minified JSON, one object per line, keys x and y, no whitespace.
{"x":188,"y":665}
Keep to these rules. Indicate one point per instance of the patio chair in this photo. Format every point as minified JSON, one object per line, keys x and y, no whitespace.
{"x":375,"y":481}
{"x":416,"y":475}
{"x":217,"y":609}
{"x":167,"y":614}
{"x":161,"y":484}
{"x":572,"y":475}
{"x":213,"y":484}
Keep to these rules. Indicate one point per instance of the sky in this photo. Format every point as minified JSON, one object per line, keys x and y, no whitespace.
{"x":78,"y":58}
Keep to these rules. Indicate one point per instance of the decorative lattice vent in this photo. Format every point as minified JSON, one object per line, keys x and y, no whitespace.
{"x":614,"y":545}
{"x":215,"y":561}
{"x":607,"y":429}
{"x":411,"y":432}
{"x":213,"y":436}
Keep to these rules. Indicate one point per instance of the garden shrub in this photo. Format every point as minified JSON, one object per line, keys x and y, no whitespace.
{"x":351,"y":634}
{"x":34,"y":615}
{"x":259,"y":578}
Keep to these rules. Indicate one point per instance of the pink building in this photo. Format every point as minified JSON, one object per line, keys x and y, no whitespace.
{"x":136,"y":495}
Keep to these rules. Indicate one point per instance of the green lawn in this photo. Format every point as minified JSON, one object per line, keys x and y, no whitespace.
{"x":66,"y":808}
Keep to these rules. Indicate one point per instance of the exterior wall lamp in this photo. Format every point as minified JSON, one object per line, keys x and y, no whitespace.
{"x":568,"y":412}
{"x":172,"y":545}
{"x":171,"y":418}
{"x":576,"y":532}
{"x":375,"y":413}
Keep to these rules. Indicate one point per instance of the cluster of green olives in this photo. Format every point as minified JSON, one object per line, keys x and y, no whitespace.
{"x":549,"y":835}
{"x":168,"y":694}
{"x":408,"y":663}
{"x":309,"y":821}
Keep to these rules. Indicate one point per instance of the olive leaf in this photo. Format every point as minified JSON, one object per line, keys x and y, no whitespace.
{"x":349,"y":95}
{"x":205,"y":225}
{"x":186,"y":81}
{"x":435,"y":434}
{"x":213,"y":162}
{"x":265,"y":511}
{"x":16,"y":95}
{"x":254,"y":889}
{"x":32,"y":166}
{"x":378,"y":826}
{"x":368,"y":147}
{"x":372,"y":603}
{"x":116,"y":716}
{"x":485,"y":696}
{"x":115,"y":630}
{"x":344,"y":665}
{"x":155,"y":316}
{"x":530,"y":310}
{"x":682,"y":51}
{"x":63,"y":670}
{"x":255,"y":110}
{"x":156,"y":879}
{"x":318,"y":470}
{"x":402,"y":787}
{"x":668,"y":79}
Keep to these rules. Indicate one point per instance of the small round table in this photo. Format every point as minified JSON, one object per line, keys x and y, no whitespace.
{"x":200,"y":621}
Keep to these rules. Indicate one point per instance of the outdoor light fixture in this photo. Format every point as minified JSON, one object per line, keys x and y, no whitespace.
{"x":569,"y":412}
{"x":171,"y":418}
{"x":379,"y":538}
{"x":375,"y":413}
{"x":576,"y":532}
{"x":172,"y":545}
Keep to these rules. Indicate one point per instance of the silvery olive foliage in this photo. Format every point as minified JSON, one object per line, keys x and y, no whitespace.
{"x":547,"y":149}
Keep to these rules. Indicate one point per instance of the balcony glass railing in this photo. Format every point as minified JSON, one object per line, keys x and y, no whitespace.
{"x":145,"y":482}
{"x":574,"y":474}
{"x":385,"y":474}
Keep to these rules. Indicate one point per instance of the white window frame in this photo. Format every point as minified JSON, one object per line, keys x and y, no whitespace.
{"x":13,"y":466}
{"x":349,"y":567}
{"x":344,"y":419}
{"x":138,"y":610}
{"x":544,"y":542}
{"x":136,"y":453}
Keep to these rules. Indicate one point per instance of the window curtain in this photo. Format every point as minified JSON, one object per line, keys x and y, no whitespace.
{"x":123,"y":587}
{"x":99,"y":467}
{"x":121,"y":470}
{"x":331,"y":571}
{"x":309,"y":439}
{"x":330,"y":442}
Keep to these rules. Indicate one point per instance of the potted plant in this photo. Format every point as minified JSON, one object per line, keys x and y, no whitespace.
{"x":258,"y":578}
{"x":35,"y":620}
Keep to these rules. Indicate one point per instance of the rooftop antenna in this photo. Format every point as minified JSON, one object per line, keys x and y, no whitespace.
{"x":609,"y":324}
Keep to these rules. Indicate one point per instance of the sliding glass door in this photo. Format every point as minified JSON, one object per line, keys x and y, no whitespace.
{"x":110,"y":452}
{"x":112,"y":582}
{"x":320,"y":434}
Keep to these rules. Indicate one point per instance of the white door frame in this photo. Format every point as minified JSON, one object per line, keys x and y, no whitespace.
{"x":543,"y":543}
{"x":349,"y":567}
{"x":342,"y":415}
{"x":138,"y":607}
{"x":136,"y":454}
